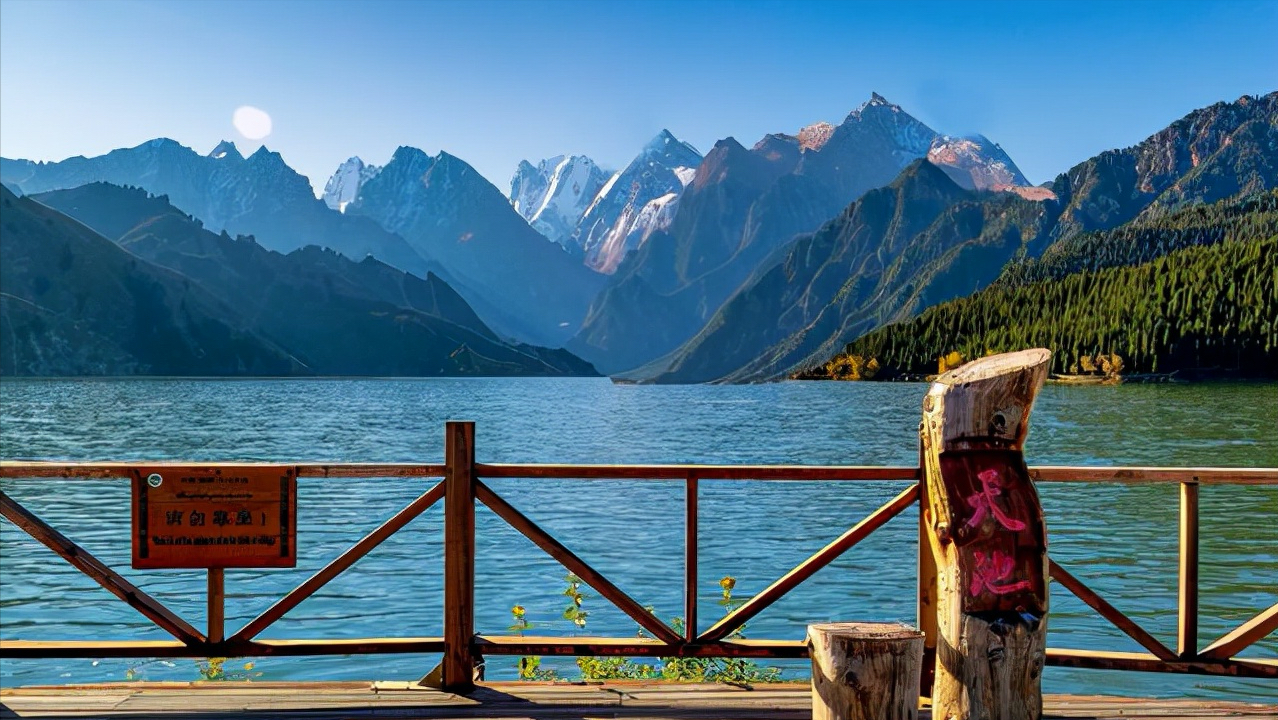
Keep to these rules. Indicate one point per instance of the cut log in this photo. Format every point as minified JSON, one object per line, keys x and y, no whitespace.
{"x":985,"y":526}
{"x":864,"y":671}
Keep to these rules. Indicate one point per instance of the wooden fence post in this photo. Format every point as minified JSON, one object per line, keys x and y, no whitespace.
{"x":1187,"y":617}
{"x":458,"y":667}
{"x":926,"y":609}
{"x":216,"y":605}
{"x":986,"y":529}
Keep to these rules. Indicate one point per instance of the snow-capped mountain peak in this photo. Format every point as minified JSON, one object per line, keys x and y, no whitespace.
{"x":226,"y":150}
{"x":601,"y":215}
{"x":553,"y":195}
{"x":667,"y":146}
{"x":343,"y":187}
{"x":666,"y":143}
{"x":975,"y":162}
{"x":636,"y":200}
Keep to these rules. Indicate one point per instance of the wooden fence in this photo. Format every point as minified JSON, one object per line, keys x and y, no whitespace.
{"x":462,"y":484}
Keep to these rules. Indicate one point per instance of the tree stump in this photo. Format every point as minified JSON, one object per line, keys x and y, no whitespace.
{"x":865,"y":671}
{"x":985,"y":526}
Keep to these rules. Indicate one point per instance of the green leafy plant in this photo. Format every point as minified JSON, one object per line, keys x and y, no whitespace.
{"x":214,"y":669}
{"x":737,"y":671}
{"x":529,"y":665}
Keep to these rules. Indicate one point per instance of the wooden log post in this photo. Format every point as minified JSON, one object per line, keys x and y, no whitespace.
{"x":865,"y":671}
{"x":986,"y":529}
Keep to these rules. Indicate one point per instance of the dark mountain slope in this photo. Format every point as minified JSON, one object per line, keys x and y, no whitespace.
{"x":884,"y":256}
{"x":341,"y":317}
{"x":1148,"y":237}
{"x":523,"y":284}
{"x":74,"y":303}
{"x":1225,"y":150}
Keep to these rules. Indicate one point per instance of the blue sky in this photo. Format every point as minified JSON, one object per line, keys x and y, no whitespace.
{"x":493,"y":83}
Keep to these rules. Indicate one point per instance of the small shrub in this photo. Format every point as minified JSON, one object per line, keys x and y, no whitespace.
{"x":736,"y":671}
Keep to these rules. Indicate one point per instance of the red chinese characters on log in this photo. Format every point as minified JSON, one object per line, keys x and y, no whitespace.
{"x":203,"y":517}
{"x":998,"y":531}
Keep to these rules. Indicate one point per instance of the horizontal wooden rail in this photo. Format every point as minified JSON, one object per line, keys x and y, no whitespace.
{"x":638,"y":647}
{"x":254,"y":648}
{"x":1144,"y":662}
{"x":794,"y":473}
{"x":121,"y":470}
{"x":1154,"y":475}
{"x":791,"y":473}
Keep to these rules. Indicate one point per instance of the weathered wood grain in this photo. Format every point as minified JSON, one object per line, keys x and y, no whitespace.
{"x":865,"y":671}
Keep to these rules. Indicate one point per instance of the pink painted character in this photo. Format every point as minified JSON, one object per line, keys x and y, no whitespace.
{"x":990,"y":570}
{"x":982,"y":502}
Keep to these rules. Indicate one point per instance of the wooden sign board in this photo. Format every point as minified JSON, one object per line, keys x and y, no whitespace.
{"x":205,"y":517}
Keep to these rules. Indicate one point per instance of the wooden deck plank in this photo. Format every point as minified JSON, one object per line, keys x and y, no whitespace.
{"x":509,"y":701}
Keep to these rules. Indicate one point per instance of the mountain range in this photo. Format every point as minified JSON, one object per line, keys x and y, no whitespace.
{"x":745,"y":204}
{"x":864,"y":269}
{"x":744,"y":264}
{"x":923,"y":240}
{"x":312,"y":311}
{"x":526,"y":289}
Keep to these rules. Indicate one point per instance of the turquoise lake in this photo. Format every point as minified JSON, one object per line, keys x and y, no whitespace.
{"x":1119,"y":539}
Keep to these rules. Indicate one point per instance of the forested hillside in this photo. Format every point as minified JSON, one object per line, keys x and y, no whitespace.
{"x":1144,"y":239}
{"x":1208,"y":307}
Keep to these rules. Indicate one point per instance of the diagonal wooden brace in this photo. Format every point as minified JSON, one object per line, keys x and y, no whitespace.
{"x":1243,"y":636}
{"x":1109,"y":612}
{"x":576,"y":565}
{"x":806,"y":569}
{"x":339,"y":564}
{"x":86,"y":563}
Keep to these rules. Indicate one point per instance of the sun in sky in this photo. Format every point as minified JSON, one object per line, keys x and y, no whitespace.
{"x":253,"y":123}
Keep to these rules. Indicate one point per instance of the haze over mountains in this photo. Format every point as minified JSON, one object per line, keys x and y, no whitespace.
{"x":740,"y":265}
{"x":310,"y":312}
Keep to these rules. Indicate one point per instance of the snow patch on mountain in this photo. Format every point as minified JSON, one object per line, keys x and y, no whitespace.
{"x":553,"y":195}
{"x":343,"y":187}
{"x":975,"y":162}
{"x":632,"y":229}
{"x":633,"y":202}
{"x":226,"y":150}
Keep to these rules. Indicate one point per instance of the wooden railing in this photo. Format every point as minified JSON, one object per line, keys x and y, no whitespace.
{"x":462,"y":484}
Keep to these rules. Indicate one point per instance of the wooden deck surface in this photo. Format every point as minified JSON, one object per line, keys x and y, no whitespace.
{"x":655,"y":701}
